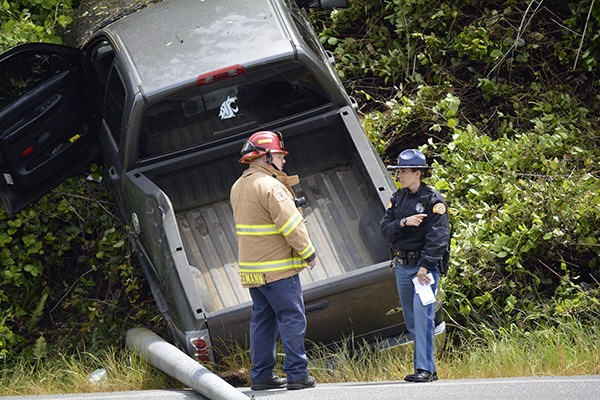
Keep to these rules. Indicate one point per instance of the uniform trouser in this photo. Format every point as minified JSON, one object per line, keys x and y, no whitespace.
{"x":278,"y":307}
{"x":419,"y":319}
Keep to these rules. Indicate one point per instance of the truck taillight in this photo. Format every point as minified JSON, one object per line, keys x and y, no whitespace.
{"x":220,"y":74}
{"x":201,"y":347}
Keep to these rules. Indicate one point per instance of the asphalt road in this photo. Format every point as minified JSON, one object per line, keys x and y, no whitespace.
{"x":527,"y":388}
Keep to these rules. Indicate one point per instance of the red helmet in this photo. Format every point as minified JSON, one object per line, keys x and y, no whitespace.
{"x":261,"y":143}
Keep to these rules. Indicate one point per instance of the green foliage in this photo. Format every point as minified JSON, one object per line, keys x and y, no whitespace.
{"x":527,"y":221}
{"x":32,"y":21}
{"x":69,"y":277}
{"x":503,"y":97}
{"x":429,"y":111}
{"x":581,"y":52}
{"x":455,"y":43}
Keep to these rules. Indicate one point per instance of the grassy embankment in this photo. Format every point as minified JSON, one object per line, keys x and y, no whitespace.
{"x":569,"y":349}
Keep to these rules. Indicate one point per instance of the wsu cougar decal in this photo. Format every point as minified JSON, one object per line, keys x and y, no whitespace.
{"x":228,"y":108}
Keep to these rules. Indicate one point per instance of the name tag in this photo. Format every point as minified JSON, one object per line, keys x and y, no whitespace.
{"x":252,"y":279}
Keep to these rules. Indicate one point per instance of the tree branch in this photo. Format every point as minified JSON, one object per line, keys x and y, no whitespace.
{"x":583,"y":35}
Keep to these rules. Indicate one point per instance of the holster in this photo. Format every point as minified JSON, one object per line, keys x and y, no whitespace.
{"x":402,"y":257}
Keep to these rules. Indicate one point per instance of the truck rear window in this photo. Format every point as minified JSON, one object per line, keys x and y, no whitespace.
{"x":219,"y":110}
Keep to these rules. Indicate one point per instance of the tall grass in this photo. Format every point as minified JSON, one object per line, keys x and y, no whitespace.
{"x":557,"y":349}
{"x":565,"y":349}
{"x":125,"y":370}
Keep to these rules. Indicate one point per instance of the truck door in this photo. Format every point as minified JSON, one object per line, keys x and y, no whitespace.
{"x":45,"y":123}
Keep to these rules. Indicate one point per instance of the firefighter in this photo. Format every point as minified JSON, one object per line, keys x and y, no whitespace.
{"x":274,"y":246}
{"x":416,"y":226}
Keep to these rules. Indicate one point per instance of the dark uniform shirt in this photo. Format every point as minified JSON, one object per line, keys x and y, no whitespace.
{"x":431,"y":237}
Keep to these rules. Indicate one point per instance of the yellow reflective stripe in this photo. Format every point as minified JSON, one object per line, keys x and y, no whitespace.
{"x":308,"y":251}
{"x":270,"y":266}
{"x":269,"y":229}
{"x":291,"y":224}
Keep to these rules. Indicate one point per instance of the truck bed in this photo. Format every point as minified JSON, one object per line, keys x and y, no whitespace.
{"x":339,"y":216}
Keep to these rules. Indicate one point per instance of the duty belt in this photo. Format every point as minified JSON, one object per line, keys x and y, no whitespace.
{"x":406,"y":257}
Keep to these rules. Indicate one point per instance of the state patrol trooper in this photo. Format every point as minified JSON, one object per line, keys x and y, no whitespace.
{"x":416,"y":226}
{"x":274,"y":246}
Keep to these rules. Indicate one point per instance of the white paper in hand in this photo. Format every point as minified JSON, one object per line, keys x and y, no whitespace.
{"x":424,"y":291}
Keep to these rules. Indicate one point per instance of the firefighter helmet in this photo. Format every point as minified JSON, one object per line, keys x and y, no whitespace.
{"x":260,"y":144}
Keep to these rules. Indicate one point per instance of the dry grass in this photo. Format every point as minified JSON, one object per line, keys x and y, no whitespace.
{"x":569,"y":349}
{"x":124,"y":371}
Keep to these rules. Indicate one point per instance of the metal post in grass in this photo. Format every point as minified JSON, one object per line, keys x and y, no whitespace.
{"x":180,"y":366}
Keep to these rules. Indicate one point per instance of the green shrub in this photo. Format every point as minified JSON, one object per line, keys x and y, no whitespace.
{"x":503,"y":98}
{"x":33,"y":21}
{"x":69,"y":276}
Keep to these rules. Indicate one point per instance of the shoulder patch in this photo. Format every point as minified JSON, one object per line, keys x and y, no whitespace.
{"x":439,"y":208}
{"x":280,"y":195}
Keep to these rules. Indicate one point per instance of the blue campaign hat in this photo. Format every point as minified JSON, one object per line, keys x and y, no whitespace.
{"x":410,"y":158}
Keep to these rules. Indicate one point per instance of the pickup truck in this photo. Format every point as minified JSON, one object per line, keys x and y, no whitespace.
{"x":166,"y":96}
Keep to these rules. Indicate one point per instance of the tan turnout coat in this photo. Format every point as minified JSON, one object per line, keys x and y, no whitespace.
{"x":273,"y":239}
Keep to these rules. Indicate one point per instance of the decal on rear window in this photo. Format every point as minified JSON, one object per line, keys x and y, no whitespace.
{"x":228,"y":108}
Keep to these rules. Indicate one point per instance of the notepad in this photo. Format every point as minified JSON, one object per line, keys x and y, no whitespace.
{"x":424,"y":291}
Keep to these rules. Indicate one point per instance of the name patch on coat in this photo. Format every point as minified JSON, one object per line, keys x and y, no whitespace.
{"x":439,"y":208}
{"x":252,"y":279}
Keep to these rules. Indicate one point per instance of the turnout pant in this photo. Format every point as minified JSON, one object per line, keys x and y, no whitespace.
{"x":278,"y":307}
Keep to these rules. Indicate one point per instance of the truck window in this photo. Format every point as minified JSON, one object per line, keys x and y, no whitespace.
{"x":101,"y":56}
{"x":22,"y":73}
{"x":114,"y":104}
{"x":214,"y":112}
